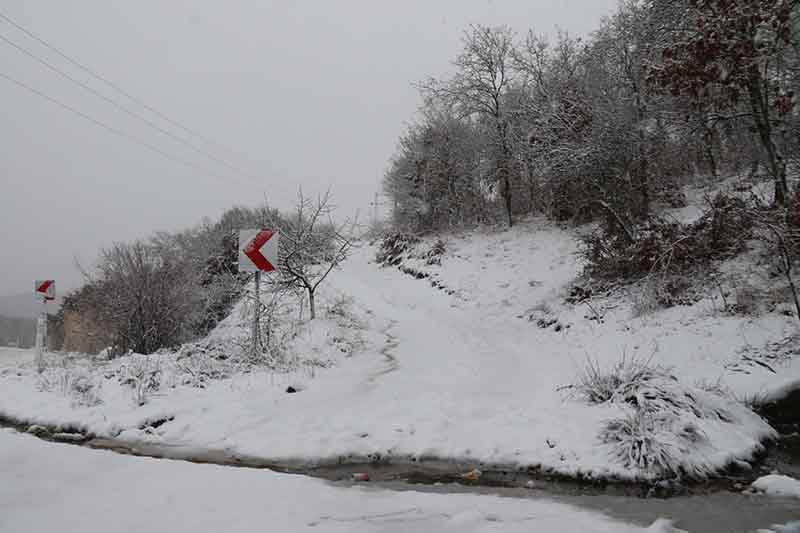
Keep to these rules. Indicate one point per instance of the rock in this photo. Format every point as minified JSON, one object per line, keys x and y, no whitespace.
{"x":37,"y":430}
{"x":472,"y":475}
{"x":69,"y":437}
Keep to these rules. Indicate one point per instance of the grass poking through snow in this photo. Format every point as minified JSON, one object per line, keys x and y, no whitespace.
{"x":662,"y":421}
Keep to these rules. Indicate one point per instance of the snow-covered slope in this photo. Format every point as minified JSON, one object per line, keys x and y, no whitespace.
{"x":478,"y":370}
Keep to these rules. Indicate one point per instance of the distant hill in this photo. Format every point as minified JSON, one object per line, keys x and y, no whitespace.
{"x":25,"y":305}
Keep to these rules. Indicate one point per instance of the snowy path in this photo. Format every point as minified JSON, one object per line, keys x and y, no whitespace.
{"x":468,"y":380}
{"x":52,"y":487}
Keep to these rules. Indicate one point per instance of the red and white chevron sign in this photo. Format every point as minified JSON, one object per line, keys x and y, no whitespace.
{"x":258,"y":250}
{"x":45,"y":288}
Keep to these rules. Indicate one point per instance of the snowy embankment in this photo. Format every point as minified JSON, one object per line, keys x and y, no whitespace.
{"x":51,"y":487}
{"x":480,"y":369}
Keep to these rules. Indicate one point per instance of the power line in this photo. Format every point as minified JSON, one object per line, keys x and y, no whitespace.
{"x":124,"y":108}
{"x":112,"y":129}
{"x":108,"y":82}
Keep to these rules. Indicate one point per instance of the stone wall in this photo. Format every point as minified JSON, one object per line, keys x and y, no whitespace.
{"x":83,"y":334}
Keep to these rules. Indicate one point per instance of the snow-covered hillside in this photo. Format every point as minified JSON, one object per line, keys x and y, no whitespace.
{"x":478,"y":361}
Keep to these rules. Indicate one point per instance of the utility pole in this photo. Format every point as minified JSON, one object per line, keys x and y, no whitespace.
{"x":375,"y":204}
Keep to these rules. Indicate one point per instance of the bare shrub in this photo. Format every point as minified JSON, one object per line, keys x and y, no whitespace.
{"x":339,"y":307}
{"x":670,"y":247}
{"x":645,"y":299}
{"x":72,"y":381}
{"x":393,"y":248}
{"x":142,"y":374}
{"x":85,"y":390}
{"x":747,"y":299}
{"x":277,"y":326}
{"x":433,"y":256}
{"x":657,"y":292}
{"x":199,"y":363}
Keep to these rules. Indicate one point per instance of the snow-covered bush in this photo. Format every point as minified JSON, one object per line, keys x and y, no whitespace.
{"x":669,"y":247}
{"x":598,"y":385}
{"x":662,"y":421}
{"x":197,"y":367}
{"x":142,"y":373}
{"x":339,"y":306}
{"x":85,"y":389}
{"x":648,"y":388}
{"x":72,"y":381}
{"x":394,"y":246}
{"x":433,"y":256}
{"x":653,"y":441}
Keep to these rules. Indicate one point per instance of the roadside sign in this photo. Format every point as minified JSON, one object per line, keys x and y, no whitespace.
{"x":45,"y":288}
{"x":258,"y":250}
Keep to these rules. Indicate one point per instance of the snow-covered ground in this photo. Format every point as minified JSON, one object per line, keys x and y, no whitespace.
{"x":778,"y":485}
{"x":56,"y":487}
{"x":479,"y":371}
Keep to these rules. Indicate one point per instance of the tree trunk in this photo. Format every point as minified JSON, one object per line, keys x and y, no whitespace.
{"x":503,"y":170}
{"x":531,"y":192}
{"x":709,"y":146}
{"x":507,"y":190}
{"x":311,"y":305}
{"x":774,"y":161}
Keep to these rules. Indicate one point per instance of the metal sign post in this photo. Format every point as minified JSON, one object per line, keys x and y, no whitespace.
{"x":258,"y":252}
{"x":40,"y":344}
{"x":257,"y":314}
{"x":46,"y":288}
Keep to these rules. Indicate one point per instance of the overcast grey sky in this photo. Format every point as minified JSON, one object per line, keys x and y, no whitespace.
{"x":311,"y":93}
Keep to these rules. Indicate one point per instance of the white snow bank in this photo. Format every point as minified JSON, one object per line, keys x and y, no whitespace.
{"x":780,"y":390}
{"x":778,"y":485}
{"x":791,"y":527}
{"x":51,"y":487}
{"x":662,"y":525}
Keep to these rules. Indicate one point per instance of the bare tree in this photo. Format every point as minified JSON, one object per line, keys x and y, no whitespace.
{"x":142,"y":296}
{"x":311,"y":244}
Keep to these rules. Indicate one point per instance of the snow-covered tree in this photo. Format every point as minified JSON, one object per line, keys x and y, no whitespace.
{"x":478,"y":91}
{"x":733,"y":54}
